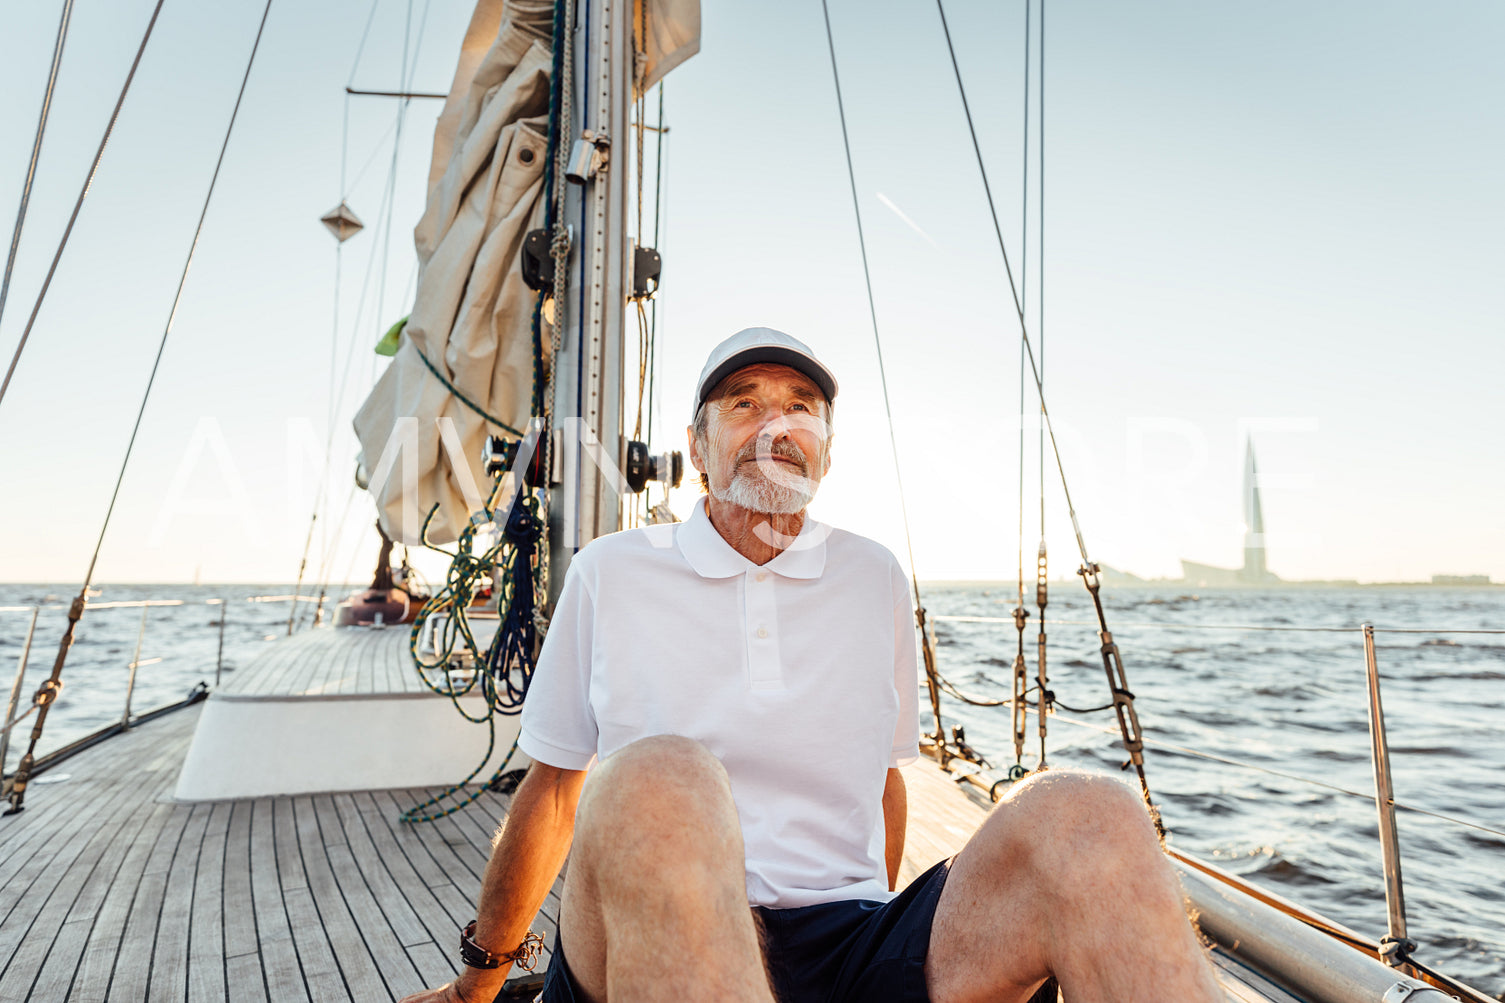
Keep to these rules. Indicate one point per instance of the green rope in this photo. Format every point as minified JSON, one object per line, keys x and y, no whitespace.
{"x":460,"y":396}
{"x":468,"y":572}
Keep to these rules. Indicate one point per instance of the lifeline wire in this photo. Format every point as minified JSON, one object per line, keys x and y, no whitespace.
{"x":1186,"y":751}
{"x":36,"y":151}
{"x":79,"y":204}
{"x":182,"y":281}
{"x":871,"y":307}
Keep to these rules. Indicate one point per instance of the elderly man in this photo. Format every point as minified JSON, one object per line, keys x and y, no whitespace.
{"x":747,"y":683}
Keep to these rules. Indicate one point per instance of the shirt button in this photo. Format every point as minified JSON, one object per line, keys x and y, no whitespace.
{"x":762,"y":631}
{"x":761,"y":576}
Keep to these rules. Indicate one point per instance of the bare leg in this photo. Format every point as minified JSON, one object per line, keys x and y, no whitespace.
{"x":655,"y":900}
{"x":1066,"y":877}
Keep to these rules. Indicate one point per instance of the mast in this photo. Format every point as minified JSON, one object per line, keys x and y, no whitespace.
{"x":588,"y":372}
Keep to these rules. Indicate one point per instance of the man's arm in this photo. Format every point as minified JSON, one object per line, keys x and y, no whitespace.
{"x":895,"y":822}
{"x":525,"y":860}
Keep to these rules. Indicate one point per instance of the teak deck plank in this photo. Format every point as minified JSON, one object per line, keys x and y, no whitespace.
{"x":67,"y":953}
{"x":274,"y":935}
{"x":362,"y":976}
{"x":239,"y":912}
{"x":396,"y":910}
{"x":206,"y":948}
{"x":71,"y":868}
{"x":133,"y":962}
{"x":169,"y":971}
{"x":103,"y":946}
{"x":433,"y":921}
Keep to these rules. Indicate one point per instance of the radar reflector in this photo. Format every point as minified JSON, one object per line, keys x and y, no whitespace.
{"x":342,"y":222}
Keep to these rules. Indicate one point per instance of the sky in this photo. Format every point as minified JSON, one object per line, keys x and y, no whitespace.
{"x":1274,"y":222}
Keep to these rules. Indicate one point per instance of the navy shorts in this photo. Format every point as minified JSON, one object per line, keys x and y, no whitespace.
{"x":856,"y":951}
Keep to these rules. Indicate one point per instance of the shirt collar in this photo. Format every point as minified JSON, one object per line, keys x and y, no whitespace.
{"x":712,"y":557}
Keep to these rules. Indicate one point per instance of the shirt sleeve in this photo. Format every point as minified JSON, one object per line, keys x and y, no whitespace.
{"x":558,"y":725}
{"x":906,"y":747}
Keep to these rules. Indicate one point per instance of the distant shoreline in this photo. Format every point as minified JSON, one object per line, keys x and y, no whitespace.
{"x":1176,"y":583}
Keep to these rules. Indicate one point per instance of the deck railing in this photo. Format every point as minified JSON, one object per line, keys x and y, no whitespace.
{"x":47,"y":693}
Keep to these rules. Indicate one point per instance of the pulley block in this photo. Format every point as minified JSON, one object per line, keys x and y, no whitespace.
{"x":646,"y":268}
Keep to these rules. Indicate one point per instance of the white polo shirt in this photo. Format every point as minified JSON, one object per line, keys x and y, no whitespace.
{"x":799,"y":675}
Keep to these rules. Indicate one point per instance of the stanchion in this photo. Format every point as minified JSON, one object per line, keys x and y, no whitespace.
{"x":130,"y":682}
{"x":1395,"y":946}
{"x":219,"y":656}
{"x":15,"y":690}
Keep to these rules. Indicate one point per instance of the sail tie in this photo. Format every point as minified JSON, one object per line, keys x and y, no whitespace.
{"x":459,"y":394}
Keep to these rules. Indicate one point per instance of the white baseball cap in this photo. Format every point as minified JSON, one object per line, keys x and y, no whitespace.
{"x":761,"y":344}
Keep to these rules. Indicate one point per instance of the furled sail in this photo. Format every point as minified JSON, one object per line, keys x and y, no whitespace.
{"x":672,"y":35}
{"x":464,"y":366}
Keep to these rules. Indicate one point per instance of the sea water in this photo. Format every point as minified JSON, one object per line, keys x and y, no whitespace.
{"x":1287,"y":803}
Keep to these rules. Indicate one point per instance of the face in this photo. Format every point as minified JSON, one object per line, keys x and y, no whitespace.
{"x":766,"y":439}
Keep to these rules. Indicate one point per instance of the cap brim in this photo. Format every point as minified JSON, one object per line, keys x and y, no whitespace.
{"x":777,"y":355}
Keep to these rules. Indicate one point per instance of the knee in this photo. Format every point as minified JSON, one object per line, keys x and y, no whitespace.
{"x":1073,"y":824}
{"x":654,"y":794}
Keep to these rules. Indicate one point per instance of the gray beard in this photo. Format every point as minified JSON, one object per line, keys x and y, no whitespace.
{"x":756,"y":492}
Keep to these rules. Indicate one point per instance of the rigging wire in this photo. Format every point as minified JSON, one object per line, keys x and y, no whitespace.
{"x":1013,"y":285}
{"x":1024,"y":287}
{"x":927,"y":634}
{"x":79,"y":203}
{"x":1021,"y":615}
{"x":1128,"y":718}
{"x":1040,"y":267}
{"x":871,"y":306}
{"x":36,"y":152}
{"x":17,"y":789}
{"x":402,"y":112}
{"x":385,"y":216}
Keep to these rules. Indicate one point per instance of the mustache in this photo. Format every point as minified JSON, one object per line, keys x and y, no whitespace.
{"x":782,"y":448}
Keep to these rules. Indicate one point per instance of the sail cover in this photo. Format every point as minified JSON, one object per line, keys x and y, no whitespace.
{"x":463,"y":368}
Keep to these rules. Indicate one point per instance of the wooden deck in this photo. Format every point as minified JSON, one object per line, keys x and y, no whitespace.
{"x":109,"y":891}
{"x":330,"y":661}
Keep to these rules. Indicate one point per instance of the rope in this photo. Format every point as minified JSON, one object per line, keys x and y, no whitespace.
{"x":36,"y":151}
{"x":510,"y":652}
{"x":658,"y":195}
{"x":460,"y":396}
{"x":79,"y":202}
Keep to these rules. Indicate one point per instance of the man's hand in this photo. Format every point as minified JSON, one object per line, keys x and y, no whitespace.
{"x":525,"y":860}
{"x":455,"y":992}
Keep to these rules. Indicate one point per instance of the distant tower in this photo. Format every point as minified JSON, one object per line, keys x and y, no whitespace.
{"x":1254,"y":570}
